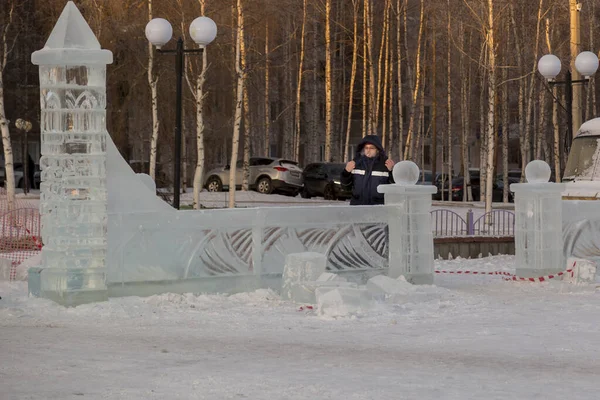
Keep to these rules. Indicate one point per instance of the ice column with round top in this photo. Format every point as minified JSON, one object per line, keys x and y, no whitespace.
{"x":73,"y":199}
{"x":411,"y":238}
{"x":538,"y":223}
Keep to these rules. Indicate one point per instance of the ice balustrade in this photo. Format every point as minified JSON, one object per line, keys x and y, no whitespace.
{"x":538,"y":223}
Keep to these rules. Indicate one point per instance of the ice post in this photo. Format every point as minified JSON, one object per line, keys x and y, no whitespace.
{"x":411,"y":238}
{"x":538,"y":223}
{"x":73,"y":199}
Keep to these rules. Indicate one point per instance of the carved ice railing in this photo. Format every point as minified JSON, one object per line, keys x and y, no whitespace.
{"x":174,"y":246}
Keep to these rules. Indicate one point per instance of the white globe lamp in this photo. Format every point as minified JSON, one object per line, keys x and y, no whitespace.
{"x":203,"y":31}
{"x":586,"y":63}
{"x":549,"y":66}
{"x":158,"y":32}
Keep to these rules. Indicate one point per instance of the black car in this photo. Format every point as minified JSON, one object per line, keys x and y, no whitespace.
{"x":323,"y":179}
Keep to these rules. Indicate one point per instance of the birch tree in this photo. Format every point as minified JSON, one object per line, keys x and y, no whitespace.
{"x":347,"y":154}
{"x":240,"y":75}
{"x":491,"y":131}
{"x":200,"y":97}
{"x":386,"y":81}
{"x":409,"y":149}
{"x":299,"y":84}
{"x":246,"y":104}
{"x":267,"y":104}
{"x":328,"y":83}
{"x":505,"y":120}
{"x":153,"y":82}
{"x":399,"y":78}
{"x":365,"y":99}
{"x":7,"y":47}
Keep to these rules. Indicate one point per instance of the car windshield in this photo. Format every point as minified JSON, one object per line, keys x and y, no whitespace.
{"x":583,"y":159}
{"x":336,"y":170}
{"x":426,"y":177}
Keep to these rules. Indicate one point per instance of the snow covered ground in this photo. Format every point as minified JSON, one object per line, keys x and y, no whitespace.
{"x":467,"y":337}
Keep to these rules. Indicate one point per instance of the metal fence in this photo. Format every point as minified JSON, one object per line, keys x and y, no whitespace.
{"x":446,"y":223}
{"x":20,"y":236}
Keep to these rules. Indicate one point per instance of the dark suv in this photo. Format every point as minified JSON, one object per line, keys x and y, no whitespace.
{"x":323,"y":179}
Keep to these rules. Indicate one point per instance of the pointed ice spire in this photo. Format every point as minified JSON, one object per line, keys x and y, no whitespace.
{"x":71,"y":31}
{"x":71,"y":42}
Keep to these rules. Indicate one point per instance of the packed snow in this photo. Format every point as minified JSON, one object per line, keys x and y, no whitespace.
{"x":465,"y":337}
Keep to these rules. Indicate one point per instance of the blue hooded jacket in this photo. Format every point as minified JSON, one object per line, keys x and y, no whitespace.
{"x":367,"y":174}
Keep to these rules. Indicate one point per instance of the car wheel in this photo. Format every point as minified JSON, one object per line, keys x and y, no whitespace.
{"x":264,"y":186}
{"x":214,"y":184}
{"x":329,"y":193}
{"x":304,"y":194}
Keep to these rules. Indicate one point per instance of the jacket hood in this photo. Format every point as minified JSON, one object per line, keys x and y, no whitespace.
{"x":370,"y":139}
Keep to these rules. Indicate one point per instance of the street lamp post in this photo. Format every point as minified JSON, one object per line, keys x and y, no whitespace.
{"x":25,"y":126}
{"x":203,"y":31}
{"x":587,"y":65}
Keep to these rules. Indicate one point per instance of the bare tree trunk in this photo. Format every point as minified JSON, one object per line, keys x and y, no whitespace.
{"x":299,"y":85}
{"x":365,"y":101}
{"x":352,"y":79}
{"x":235,"y":141}
{"x":386,"y":29}
{"x":313,"y":126}
{"x":200,"y":97}
{"x":246,"y":104}
{"x":522,"y":84}
{"x":4,"y":130}
{"x":505,"y":119}
{"x":408,"y":151}
{"x":381,"y":77}
{"x":390,"y":147}
{"x":449,"y":105}
{"x":399,"y":78}
{"x":434,"y":100}
{"x":591,"y":86}
{"x":482,"y":134}
{"x":465,"y":115}
{"x":369,"y":39}
{"x":328,"y":83}
{"x":153,"y":82}
{"x":184,"y":131}
{"x":267,"y":136}
{"x":491,"y":125}
{"x":530,"y":102}
{"x":575,"y":45}
{"x":468,"y":84}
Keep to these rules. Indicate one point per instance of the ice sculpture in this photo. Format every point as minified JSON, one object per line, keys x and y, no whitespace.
{"x":107,"y":233}
{"x":538,"y":223}
{"x":412,"y":252}
{"x":73,"y":199}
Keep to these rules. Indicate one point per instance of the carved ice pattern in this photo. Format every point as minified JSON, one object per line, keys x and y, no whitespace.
{"x":348,"y":247}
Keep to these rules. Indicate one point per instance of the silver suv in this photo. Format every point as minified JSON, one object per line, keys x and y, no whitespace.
{"x":266,"y":176}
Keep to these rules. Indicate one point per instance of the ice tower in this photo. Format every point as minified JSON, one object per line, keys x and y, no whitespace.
{"x":73,"y":200}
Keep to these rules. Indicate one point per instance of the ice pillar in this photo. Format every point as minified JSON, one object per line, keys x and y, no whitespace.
{"x":538,"y":223}
{"x":73,"y":199}
{"x":411,"y":238}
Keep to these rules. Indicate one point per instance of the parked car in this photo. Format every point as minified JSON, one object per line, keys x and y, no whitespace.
{"x":19,"y":181}
{"x":323,"y":179}
{"x":425,"y":177}
{"x":441,"y":182}
{"x":267,"y":175}
{"x":458,"y":188}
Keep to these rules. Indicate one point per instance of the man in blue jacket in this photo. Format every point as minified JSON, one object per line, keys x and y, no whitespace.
{"x":369,"y":169}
